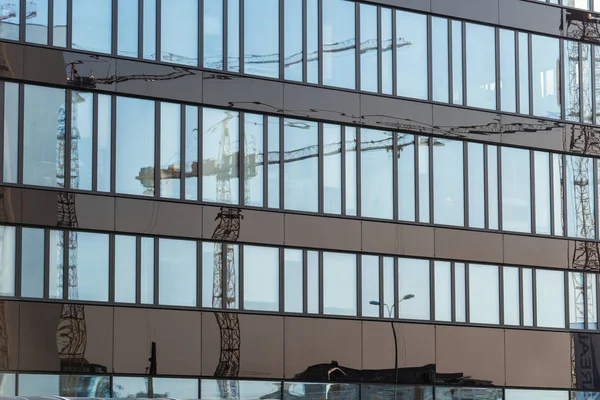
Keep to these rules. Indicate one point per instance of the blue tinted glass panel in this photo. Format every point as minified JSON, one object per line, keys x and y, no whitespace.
{"x":274,"y":162}
{"x":370,"y":285}
{"x":253,"y":155}
{"x":351,"y":170}
{"x":439,"y":51}
{"x":125,"y":268}
{"x":175,"y":388}
{"x":586,"y":82}
{"x":82,"y":125}
{"x":443,"y":291}
{"x":149,"y":31}
{"x":424,"y":192}
{"x":261,"y":37}
{"x":11,"y":132}
{"x":339,"y":44}
{"x":411,"y":54}
{"x":170,"y":150}
{"x":481,"y":66}
{"x":545,"y":76}
{"x":294,"y":278}
{"x":493,"y":208}
{"x":191,"y":153}
{"x":312,"y":41}
{"x":313,"y":282}
{"x":292,"y":36}
{"x":177,"y":272}
{"x":550,"y":302}
{"x":332,"y":169}
{"x":127,"y":42}
{"x":511,"y":295}
{"x":233,"y":35}
{"x":88,"y":254}
{"x":476,"y":185}
{"x":387,"y":49}
{"x":448,"y":182}
{"x":10,"y":21}
{"x":300,"y":172}
{"x":516,"y":190}
{"x":60,"y":23}
{"x":179,"y":32}
{"x":147,"y":273}
{"x":484,"y":294}
{"x":104,"y":142}
{"x":376,"y":174}
{"x":457,"y":63}
{"x":8,"y":385}
{"x":523,"y":73}
{"x":36,"y":28}
{"x":542,"y":192}
{"x":406,"y":177}
{"x":368,"y":48}
{"x":261,"y":278}
{"x":92,"y":25}
{"x":213,"y":34}
{"x":339,"y":284}
{"x":8,"y":238}
{"x":414,"y":279}
{"x":508,"y":88}
{"x":460,"y":292}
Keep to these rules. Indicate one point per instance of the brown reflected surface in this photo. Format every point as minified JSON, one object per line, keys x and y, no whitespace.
{"x":9,"y":335}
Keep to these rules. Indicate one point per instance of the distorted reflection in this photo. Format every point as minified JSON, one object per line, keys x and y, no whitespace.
{"x":384,"y":392}
{"x":247,"y":390}
{"x":36,"y":20}
{"x":8,"y":385}
{"x":451,"y":393}
{"x":315,"y":391}
{"x":64,"y":385}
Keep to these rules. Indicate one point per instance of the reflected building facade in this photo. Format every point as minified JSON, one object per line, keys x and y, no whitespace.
{"x":287,"y":199}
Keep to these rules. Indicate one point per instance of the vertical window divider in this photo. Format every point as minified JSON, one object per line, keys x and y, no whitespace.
{"x":593,"y":75}
{"x":241,"y":36}
{"x":564,"y":196}
{"x":304,"y":281}
{"x":200,"y":166}
{"x":466,"y":183}
{"x":95,"y":143}
{"x":343,"y":172}
{"x":530,"y":72}
{"x":265,"y":150}
{"x":464,"y":62}
{"x":396,"y":288}
{"x":138,"y":270}
{"x":157,"y":134}
{"x":566,"y":294}
{"x":416,"y":176}
{"x":19,"y":260}
{"x":242,"y":157}
{"x":113,"y":144}
{"x":111,"y":267}
{"x":431,"y":199}
{"x":358,"y":174}
{"x":46,"y":291}
{"x":450,"y":65}
{"x":552,"y":204}
{"x":281,"y":47}
{"x":432,"y":290}
{"x":586,"y":322}
{"x":321,"y":268}
{"x":595,"y":191}
{"x":452,"y":292}
{"x":395,"y":158}
{"x":69,"y":24}
{"x":382,"y":305}
{"x":22,"y":19}
{"x":198,"y":274}
{"x":68,"y":134}
{"x":581,"y":81}
{"x":429,"y":59}
{"x":534,"y":295}
{"x":182,"y":144}
{"x":156,"y":270}
{"x":394,"y":55}
{"x":597,"y":307}
{"x":357,"y":45}
{"x":115,"y":27}
{"x":282,"y":157}
{"x":532,"y":190}
{"x":50,"y":22}
{"x":561,"y":74}
{"x":499,"y":180}
{"x":467,"y":294}
{"x":521,"y":298}
{"x":486,"y":183}
{"x":2,"y":106}
{"x":497,"y":64}
{"x":140,"y":32}
{"x":200,"y":39}
{"x":304,"y":44}
{"x":225,"y":35}
{"x":21,"y":130}
{"x":359,"y":310}
{"x":517,"y":74}
{"x":281,"y":258}
{"x":158,"y":30}
{"x":501,"y":294}
{"x":66,"y":250}
{"x":320,"y":40}
{"x":379,"y":52}
{"x":321,"y":190}
{"x":241,"y":277}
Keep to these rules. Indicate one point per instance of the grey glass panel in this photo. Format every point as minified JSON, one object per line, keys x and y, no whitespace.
{"x":476,"y":185}
{"x":125,"y":269}
{"x":460,"y":293}
{"x":368,"y":48}
{"x":248,"y":390}
{"x":129,"y":387}
{"x":523,"y":72}
{"x":493,"y":209}
{"x":542,"y":192}
{"x":213,"y":34}
{"x":481,"y":66}
{"x":43,"y":130}
{"x":580,"y":197}
{"x":147,"y":273}
{"x":220,"y":156}
{"x":332,"y":169}
{"x":390,"y":392}
{"x":339,"y":284}
{"x":457,"y":63}
{"x":92,"y":25}
{"x":448,"y":182}
{"x":178,"y":388}
{"x":11,"y":132}
{"x":413,"y":279}
{"x":592,"y":294}
{"x":191,"y":153}
{"x":519,"y":394}
{"x":56,"y":262}
{"x":211,"y":265}
{"x":8,"y":238}
{"x":233,"y":35}
{"x":89,"y":252}
{"x":135,"y":146}
{"x":443,"y":291}
{"x":387,"y":49}
{"x":261,"y":278}
{"x":461,"y":393}
{"x":149,"y":29}
{"x":64,"y":385}
{"x":376,"y":171}
{"x":274,"y":162}
{"x":104,"y":142}
{"x":527,"y":297}
{"x":439,"y":55}
{"x":314,"y":391}
{"x":312,"y":41}
{"x":32,"y":262}
{"x":484,"y":294}
{"x":293,"y":281}
{"x":170,"y":150}
{"x":516,"y":195}
{"x":584,"y":4}
{"x":10,"y":23}
{"x":508,"y":78}
{"x":82,"y":142}
{"x":545,"y":76}
{"x":127,"y":41}
{"x":253,"y":152}
{"x":389,"y":286}
{"x":36,"y":22}
{"x":313,"y":282}
{"x":179,"y":32}
{"x":177,"y":272}
{"x":351,"y":140}
{"x":511,"y":296}
{"x":411,"y":54}
{"x":60,"y":23}
{"x":577,"y":294}
{"x":586,"y":82}
{"x":292,"y":40}
{"x":8,"y":385}
{"x":571,"y":81}
{"x":339,"y":44}
{"x":233,"y":268}
{"x":300,"y":174}
{"x":423,"y":149}
{"x":557,"y":186}
{"x":406,"y":177}
{"x":261,"y":37}
{"x":370,"y":286}
{"x":550,"y":302}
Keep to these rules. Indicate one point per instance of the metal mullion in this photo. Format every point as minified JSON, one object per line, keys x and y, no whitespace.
{"x":22,"y":20}
{"x":381,"y":289}
{"x":115,"y":26}
{"x":138,"y":270}
{"x":464,"y":61}
{"x":281,"y":258}
{"x":156,"y":270}
{"x":431,"y":199}
{"x":320,"y":40}
{"x":18,"y":260}
{"x":379,"y":53}
{"x":50,"y":23}
{"x":111,"y":268}
{"x":432,"y":290}
{"x":95,"y":143}
{"x":281,"y":161}
{"x":241,"y":37}
{"x":69,"y":24}
{"x":68,"y":135}
{"x":182,"y":144}
{"x":200,"y":37}
{"x":199,"y":166}
{"x":497,"y":64}
{"x":65,"y":250}
{"x":467,"y":295}
{"x":158,"y":30}
{"x":241,"y":277}
{"x":358,"y":174}
{"x":501,"y":293}
{"x":450,"y":66}
{"x":566,"y":294}
{"x":2,"y":107}
{"x":564,"y":197}
{"x":140,"y":32}
{"x":452,"y":292}
{"x":157,"y":135}
{"x":517,"y":74}
{"x":113,"y":141}
{"x":521,"y":298}
{"x":321,"y":282}
{"x":304,"y":43}
{"x":534,"y":295}
{"x":46,"y":291}
{"x":359,"y":310}
{"x":242,"y":158}
{"x":394,"y":55}
{"x":466,"y":183}
{"x":357,"y":44}
{"x":499,"y":180}
{"x":281,"y":43}
{"x":20,"y":129}
{"x":580,"y":71}
{"x":416,"y":177}
{"x":320,"y":169}
{"x":532,"y":190}
{"x":265,"y":151}
{"x":562,"y":78}
{"x":486,"y":183}
{"x":304,"y":281}
{"x":395,"y":188}
{"x":429,"y":60}
{"x":343,"y":162}
{"x":552,"y":205}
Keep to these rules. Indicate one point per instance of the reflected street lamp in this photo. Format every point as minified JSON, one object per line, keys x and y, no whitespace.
{"x":389,"y":311}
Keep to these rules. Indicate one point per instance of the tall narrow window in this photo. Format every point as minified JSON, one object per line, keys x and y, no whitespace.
{"x":516,"y":190}
{"x":443,"y":291}
{"x":457,"y":63}
{"x":351,"y":170}
{"x":406,"y":177}
{"x":60,"y":23}
{"x":11,"y":131}
{"x":484,"y":294}
{"x":376,"y":174}
{"x":542,"y":192}
{"x":580,"y":197}
{"x":36,"y":20}
{"x":571,"y":81}
{"x":439,"y":51}
{"x":233,"y":35}
{"x":300,"y":173}
{"x":460,"y":292}
{"x":312,"y":41}
{"x":492,"y":189}
{"x":92,"y":25}
{"x":557,"y":194}
{"x":528,"y":297}
{"x":294,"y":280}
{"x":179,"y":21}
{"x":476,"y":185}
{"x":8,"y":260}
{"x":274,"y":164}
{"x":550,"y":302}
{"x":177,"y":272}
{"x":586,"y":82}
{"x":149,"y":29}
{"x":261,"y":278}
{"x":313,"y":282}
{"x":389,"y":286}
{"x":508,"y":91}
{"x":125,"y":269}
{"x":253,"y":151}
{"x":577,"y":299}
{"x":191,"y":167}
{"x":339,"y":44}
{"x":127,"y":42}
{"x":332,"y":169}
{"x":56,"y":262}
{"x":481,"y":66}
{"x":368,"y":48}
{"x":147,"y":273}
{"x":545,"y":76}
{"x":82,"y":125}
{"x":293,"y":54}
{"x":213,"y":34}
{"x":339,"y":284}
{"x":524,"y":73}
{"x":423,"y":149}
{"x":448,"y":182}
{"x":411,"y":54}
{"x":104,"y":144}
{"x":387,"y":50}
{"x":370,"y":286}
{"x":89,"y":252}
{"x":261,"y":37}
{"x":413,"y":289}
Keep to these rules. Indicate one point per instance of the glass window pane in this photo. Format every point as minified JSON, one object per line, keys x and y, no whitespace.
{"x":175,"y":388}
{"x":135,"y":146}
{"x":484,"y":295}
{"x":149,"y":30}
{"x":413,"y":279}
{"x":586,"y":81}
{"x":368,"y":48}
{"x":129,"y":387}
{"x":457,"y":63}
{"x":43,"y":131}
{"x":32,"y":262}
{"x":11,"y":131}
{"x":423,"y":179}
{"x":550,"y":302}
{"x":443,"y":291}
{"x":8,"y":384}
{"x":545,"y":76}
{"x":511,"y":296}
{"x":411,"y":54}
{"x":519,"y":394}
{"x":557,"y":186}
{"x":580,"y":197}
{"x":492,"y":163}
{"x":448,"y":182}
{"x":191,"y":153}
{"x":312,"y":41}
{"x":481,"y":66}
{"x":597,"y":76}
{"x":261,"y":278}
{"x":387,"y":49}
{"x":476,"y":185}
{"x":127,"y":42}
{"x":233,"y":35}
{"x":577,"y":295}
{"x":82,"y":125}
{"x":391,"y":392}
{"x":261,"y":37}
{"x":36,"y":28}
{"x":177,"y":22}
{"x":220,"y":156}
{"x":370,"y":285}
{"x":63,"y":385}
{"x":211,"y":266}
{"x":523,"y":72}
{"x":332,"y":169}
{"x":313,"y":282}
{"x":584,"y":4}
{"x":92,"y":25}
{"x":571,"y":81}
{"x":292,"y":37}
{"x":253,"y":153}
{"x":339,"y":44}
{"x":389,"y":286}
{"x":300,"y":173}
{"x":170,"y":150}
{"x":104,"y":142}
{"x":308,"y":391}
{"x":10,"y":22}
{"x":439,"y":51}
{"x":125,"y":269}
{"x":592,"y":301}
{"x":274,"y":163}
{"x":232,"y":252}
{"x":88,"y":253}
{"x":508,"y":78}
{"x":56,"y":262}
{"x":542,"y":192}
{"x":147,"y":274}
{"x":351,"y":140}
{"x":7,"y":260}
{"x":527,"y":297}
{"x":177,"y":272}
{"x":339,"y":284}
{"x":376,"y":174}
{"x":246,"y":390}
{"x":516,"y":195}
{"x":460,"y":292}
{"x":406,"y":177}
{"x":213,"y":34}
{"x":60,"y":23}
{"x":294,"y":278}
{"x":460,"y":393}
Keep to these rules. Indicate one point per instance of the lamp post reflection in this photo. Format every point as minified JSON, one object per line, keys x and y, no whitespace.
{"x":390,"y":310}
